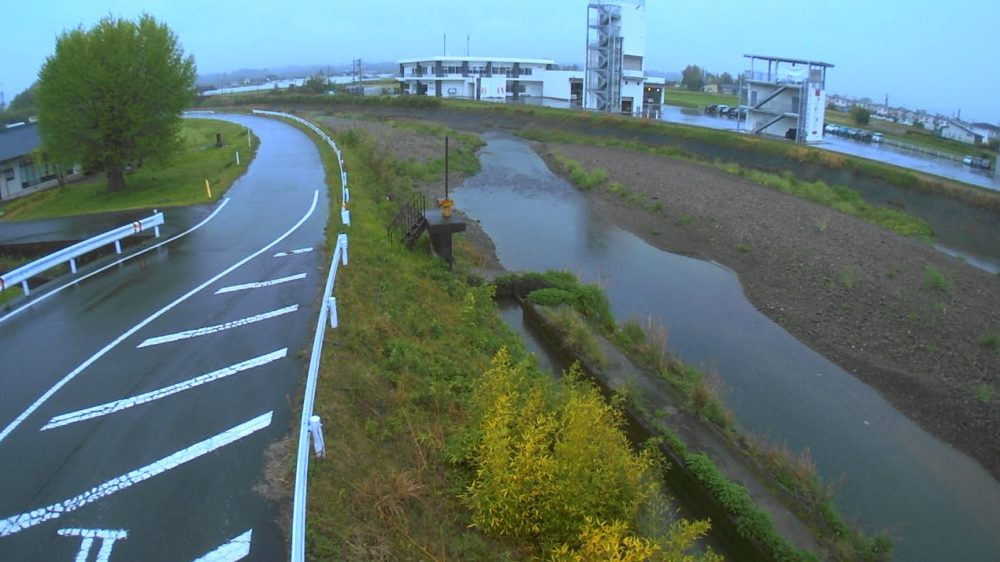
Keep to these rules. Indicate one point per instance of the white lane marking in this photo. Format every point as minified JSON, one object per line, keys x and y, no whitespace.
{"x":233,"y":288}
{"x":107,"y":536}
{"x":293,"y":252}
{"x":110,"y":265}
{"x":187,"y":334}
{"x":20,"y":522}
{"x":236,"y":549}
{"x":72,"y":374}
{"x":125,"y":403}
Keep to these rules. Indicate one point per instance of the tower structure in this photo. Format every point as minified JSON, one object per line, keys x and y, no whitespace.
{"x":616,"y":47}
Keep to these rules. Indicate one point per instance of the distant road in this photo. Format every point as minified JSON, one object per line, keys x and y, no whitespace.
{"x":136,"y":407}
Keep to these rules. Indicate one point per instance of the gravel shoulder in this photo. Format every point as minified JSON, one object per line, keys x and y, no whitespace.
{"x":857,"y":293}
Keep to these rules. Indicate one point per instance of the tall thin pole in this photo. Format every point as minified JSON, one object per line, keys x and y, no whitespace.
{"x":446,"y":167}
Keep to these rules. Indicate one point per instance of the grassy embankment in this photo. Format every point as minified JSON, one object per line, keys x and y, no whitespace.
{"x":177,"y":181}
{"x":675,"y":139}
{"x":436,"y":417}
{"x":841,"y":198}
{"x":685,"y":98}
{"x":580,"y":313}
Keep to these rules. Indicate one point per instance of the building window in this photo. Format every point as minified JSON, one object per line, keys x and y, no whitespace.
{"x":8,"y":174}
{"x":29,"y":176}
{"x":526,"y":71}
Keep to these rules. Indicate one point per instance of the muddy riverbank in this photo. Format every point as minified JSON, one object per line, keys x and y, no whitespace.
{"x":898,"y":314}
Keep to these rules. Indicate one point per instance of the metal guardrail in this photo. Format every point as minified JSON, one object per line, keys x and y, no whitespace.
{"x":345,"y":194}
{"x":69,"y":254}
{"x":309,"y":424}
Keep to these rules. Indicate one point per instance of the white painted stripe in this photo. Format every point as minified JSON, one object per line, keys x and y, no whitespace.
{"x":94,"y":533}
{"x":188,"y":334}
{"x":20,"y":522}
{"x":260,"y":284}
{"x":40,"y":298}
{"x":293,"y":252}
{"x":125,"y":403}
{"x":236,"y":549}
{"x":72,"y":374}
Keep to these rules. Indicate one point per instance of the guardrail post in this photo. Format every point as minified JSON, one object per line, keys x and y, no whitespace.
{"x":332,"y":305}
{"x":118,"y":246}
{"x":345,"y":217}
{"x":24,"y":288}
{"x":342,"y":242}
{"x":316,"y":431}
{"x":72,"y":266}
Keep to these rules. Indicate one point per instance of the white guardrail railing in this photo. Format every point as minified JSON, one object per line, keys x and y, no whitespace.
{"x":69,"y":254}
{"x":310,"y":425}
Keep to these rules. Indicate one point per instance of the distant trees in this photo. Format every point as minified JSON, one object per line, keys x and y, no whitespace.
{"x":693,"y":77}
{"x":316,"y":84}
{"x":23,"y":105}
{"x":860,"y":115}
{"x":113,"y":95}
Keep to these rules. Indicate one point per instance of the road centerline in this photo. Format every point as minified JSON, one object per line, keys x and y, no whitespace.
{"x":125,"y":403}
{"x":20,"y":522}
{"x":197,"y":332}
{"x":260,"y":284}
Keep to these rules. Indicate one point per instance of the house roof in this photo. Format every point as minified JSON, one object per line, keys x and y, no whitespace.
{"x":477,"y":59}
{"x":963,"y":126}
{"x":793,"y":61}
{"x":18,"y":141}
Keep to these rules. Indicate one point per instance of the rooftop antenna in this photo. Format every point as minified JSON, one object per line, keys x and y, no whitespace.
{"x":467,"y":39}
{"x":445,"y":53}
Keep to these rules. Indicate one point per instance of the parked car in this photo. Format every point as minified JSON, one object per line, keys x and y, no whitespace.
{"x":967,"y":160}
{"x":712,"y":109}
{"x":831,"y":129}
{"x":722,"y":109}
{"x":877,"y":137}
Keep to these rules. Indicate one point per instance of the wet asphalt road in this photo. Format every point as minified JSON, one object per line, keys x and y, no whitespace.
{"x":167,"y":469}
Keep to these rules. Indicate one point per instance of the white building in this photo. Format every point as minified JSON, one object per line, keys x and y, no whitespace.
{"x":962,"y":132}
{"x":616,"y":51}
{"x":489,"y":78}
{"x":785,"y":97}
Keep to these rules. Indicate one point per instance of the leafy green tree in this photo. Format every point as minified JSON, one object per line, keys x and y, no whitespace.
{"x":316,"y":84}
{"x":725,"y":79}
{"x":112,"y":95}
{"x":860,"y":115}
{"x":693,"y":77}
{"x":23,"y":105}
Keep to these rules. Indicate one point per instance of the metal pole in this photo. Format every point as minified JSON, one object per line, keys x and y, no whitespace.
{"x":446,"y":167}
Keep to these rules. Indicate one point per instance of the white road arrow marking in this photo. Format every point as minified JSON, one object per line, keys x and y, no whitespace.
{"x":20,"y":522}
{"x":119,"y":405}
{"x":246,"y":286}
{"x":293,"y":252}
{"x":236,"y":549}
{"x":218,"y":327}
{"x":107,"y":536}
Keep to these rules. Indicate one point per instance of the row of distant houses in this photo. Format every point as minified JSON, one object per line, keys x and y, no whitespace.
{"x":949,"y":128}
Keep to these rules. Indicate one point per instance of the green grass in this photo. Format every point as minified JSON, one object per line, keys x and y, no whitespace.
{"x":991,"y":342}
{"x":985,"y":393}
{"x":838,"y":197}
{"x":935,"y":280}
{"x":179,"y":181}
{"x":687,"y":98}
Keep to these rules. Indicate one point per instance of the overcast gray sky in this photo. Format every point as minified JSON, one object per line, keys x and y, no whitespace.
{"x":937,"y":55}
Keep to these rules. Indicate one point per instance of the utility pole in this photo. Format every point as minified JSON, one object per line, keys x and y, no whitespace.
{"x":467,"y":39}
{"x":445,"y":53}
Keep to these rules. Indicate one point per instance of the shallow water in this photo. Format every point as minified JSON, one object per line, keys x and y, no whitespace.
{"x":937,"y":502}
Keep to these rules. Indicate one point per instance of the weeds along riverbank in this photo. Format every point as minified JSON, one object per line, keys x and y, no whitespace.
{"x":444,"y":440}
{"x":448,"y":422}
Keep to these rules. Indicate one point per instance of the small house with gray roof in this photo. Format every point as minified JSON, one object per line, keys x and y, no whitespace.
{"x":22,"y":170}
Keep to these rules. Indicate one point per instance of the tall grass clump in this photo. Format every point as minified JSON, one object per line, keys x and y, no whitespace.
{"x":553,"y":466}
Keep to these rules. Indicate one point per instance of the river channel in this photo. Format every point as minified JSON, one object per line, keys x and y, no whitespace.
{"x":938,"y":503}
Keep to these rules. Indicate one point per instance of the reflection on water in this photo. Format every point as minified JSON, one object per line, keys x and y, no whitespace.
{"x":938,"y":502}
